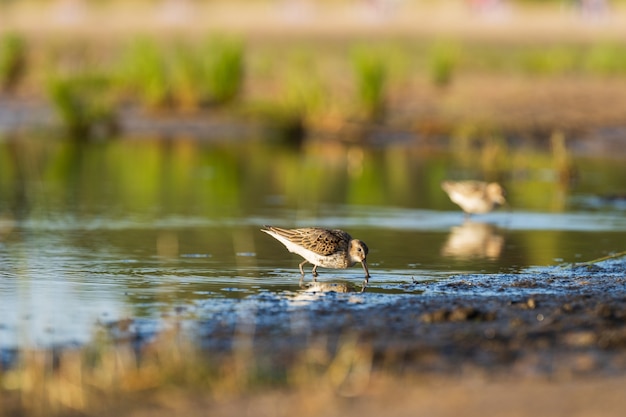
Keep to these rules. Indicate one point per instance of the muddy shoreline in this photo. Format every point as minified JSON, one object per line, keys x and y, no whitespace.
{"x":544,"y":341}
{"x":565,"y":321}
{"x":562,"y":321}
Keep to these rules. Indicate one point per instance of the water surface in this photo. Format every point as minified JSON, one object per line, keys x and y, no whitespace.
{"x":149,"y":228}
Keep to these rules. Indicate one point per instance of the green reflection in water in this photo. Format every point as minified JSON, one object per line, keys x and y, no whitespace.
{"x":155,"y":201}
{"x":148,"y":177}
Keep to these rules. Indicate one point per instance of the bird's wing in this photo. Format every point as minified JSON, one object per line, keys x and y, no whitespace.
{"x":321,"y":241}
{"x":465,"y":187}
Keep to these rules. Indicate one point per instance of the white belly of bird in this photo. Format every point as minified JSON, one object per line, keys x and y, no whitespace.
{"x":471,"y":204}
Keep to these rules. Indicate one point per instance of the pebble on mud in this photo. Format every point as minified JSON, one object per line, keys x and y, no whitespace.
{"x":456,"y":315}
{"x":580,"y":338}
{"x":529,"y":304}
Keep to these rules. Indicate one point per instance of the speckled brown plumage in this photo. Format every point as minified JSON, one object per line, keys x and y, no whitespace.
{"x":321,"y":241}
{"x":328,"y":248}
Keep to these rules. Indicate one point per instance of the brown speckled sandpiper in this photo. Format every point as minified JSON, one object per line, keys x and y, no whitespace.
{"x":475,"y":197}
{"x":322,"y":247}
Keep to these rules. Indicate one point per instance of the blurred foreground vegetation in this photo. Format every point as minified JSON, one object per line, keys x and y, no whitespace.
{"x":171,"y":374}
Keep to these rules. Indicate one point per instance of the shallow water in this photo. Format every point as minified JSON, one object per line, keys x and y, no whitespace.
{"x":149,"y":229}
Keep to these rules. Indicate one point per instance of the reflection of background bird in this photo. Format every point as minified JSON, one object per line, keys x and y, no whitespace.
{"x":474,"y":240}
{"x":475,"y":197}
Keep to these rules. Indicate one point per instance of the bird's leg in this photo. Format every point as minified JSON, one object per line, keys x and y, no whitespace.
{"x":314,"y":272}
{"x":301,"y":265}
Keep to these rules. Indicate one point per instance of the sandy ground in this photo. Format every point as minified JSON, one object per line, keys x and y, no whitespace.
{"x":433,"y":396}
{"x":315,"y":18}
{"x":449,"y":397}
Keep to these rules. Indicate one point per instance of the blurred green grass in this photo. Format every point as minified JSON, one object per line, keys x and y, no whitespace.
{"x":293,"y":84}
{"x":12,"y":61}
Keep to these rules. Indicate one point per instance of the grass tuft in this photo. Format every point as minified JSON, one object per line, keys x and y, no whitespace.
{"x":170,"y":373}
{"x":12,"y":61}
{"x":444,"y":59}
{"x":223,"y":69}
{"x":83,"y":104}
{"x":143,"y":74}
{"x":370,"y":71}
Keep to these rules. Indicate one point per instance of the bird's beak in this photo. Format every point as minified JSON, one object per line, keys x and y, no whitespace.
{"x":367,"y":275}
{"x":367,"y":272}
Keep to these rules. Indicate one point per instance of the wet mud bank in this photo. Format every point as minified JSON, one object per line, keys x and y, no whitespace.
{"x":562,"y":321}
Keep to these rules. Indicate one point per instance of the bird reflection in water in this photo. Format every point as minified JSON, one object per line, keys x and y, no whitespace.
{"x":315,"y":290}
{"x":316,"y":286}
{"x":474,"y":240}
